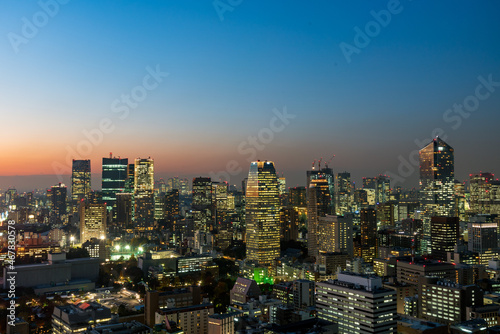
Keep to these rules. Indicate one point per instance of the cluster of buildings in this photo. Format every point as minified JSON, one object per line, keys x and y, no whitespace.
{"x":372,"y":259}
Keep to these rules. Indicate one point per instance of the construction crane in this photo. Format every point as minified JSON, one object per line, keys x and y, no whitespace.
{"x":314,"y":163}
{"x":329,"y":160}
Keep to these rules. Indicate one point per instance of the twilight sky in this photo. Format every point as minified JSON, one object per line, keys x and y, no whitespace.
{"x":188,"y":82}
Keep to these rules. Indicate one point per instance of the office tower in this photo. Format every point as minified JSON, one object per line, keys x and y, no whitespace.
{"x":289,"y":224}
{"x":220,"y":201}
{"x":437,"y":180}
{"x":446,"y":302}
{"x":143,"y":193}
{"x":184,"y":187}
{"x":298,"y":197}
{"x":368,"y":223}
{"x":383,"y":190}
{"x":325,"y":189}
{"x":172,"y":205}
{"x":484,"y":194}
{"x":92,"y":221}
{"x":124,"y":210}
{"x":56,"y":198}
{"x":386,"y":214}
{"x":282,"y":185}
{"x":358,"y":303}
{"x":369,"y":182}
{"x":483,"y":237}
{"x":129,"y":182}
{"x":444,"y":236}
{"x":114,"y":176}
{"x":159,"y":206}
{"x":202,"y":205}
{"x":173,"y":183}
{"x":80,"y":180}
{"x":312,"y":221}
{"x":343,"y":204}
{"x":335,"y":234}
{"x":262,"y":213}
{"x":460,"y":201}
{"x":10,"y":196}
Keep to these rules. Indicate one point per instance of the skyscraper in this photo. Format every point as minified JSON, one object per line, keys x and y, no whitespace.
{"x":437,"y":181}
{"x":262,"y":213}
{"x":114,"y":175}
{"x":312,"y":221}
{"x":484,"y":194}
{"x":92,"y":221}
{"x":444,"y":236}
{"x":325,"y":189}
{"x":483,"y":237}
{"x":144,"y":193}
{"x":80,"y":181}
{"x":202,"y":206}
{"x":56,"y":197}
{"x":344,"y":204}
{"x":368,"y":222}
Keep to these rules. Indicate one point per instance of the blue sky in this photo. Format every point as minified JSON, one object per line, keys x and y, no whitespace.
{"x":226,"y":76}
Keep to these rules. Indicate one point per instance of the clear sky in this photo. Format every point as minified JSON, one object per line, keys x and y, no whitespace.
{"x":362,"y":80}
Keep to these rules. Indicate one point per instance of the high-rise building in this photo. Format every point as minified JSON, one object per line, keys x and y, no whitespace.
{"x":124,"y":210}
{"x":343,"y":203}
{"x":383,"y":190}
{"x":129,"y":183}
{"x":325,"y":189}
{"x":262,"y":213}
{"x":80,"y":181}
{"x":114,"y":176}
{"x":437,"y":181}
{"x":298,"y":197}
{"x":303,"y":294}
{"x":184,"y":187}
{"x":484,"y":194}
{"x":444,"y":236}
{"x":202,"y":205}
{"x":368,"y":223}
{"x":56,"y":198}
{"x":172,"y":205}
{"x":92,"y":221}
{"x":483,"y":237}
{"x":334,"y":234}
{"x":312,"y":221}
{"x":289,"y":222}
{"x":358,"y":303}
{"x":144,"y":193}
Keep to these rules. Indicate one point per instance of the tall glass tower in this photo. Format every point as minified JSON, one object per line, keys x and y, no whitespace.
{"x":114,"y":175}
{"x":144,"y":193}
{"x":80,"y":180}
{"x":262,"y":213}
{"x":437,"y":181}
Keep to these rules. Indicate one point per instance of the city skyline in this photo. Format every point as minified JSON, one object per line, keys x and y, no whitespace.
{"x":371,"y":104}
